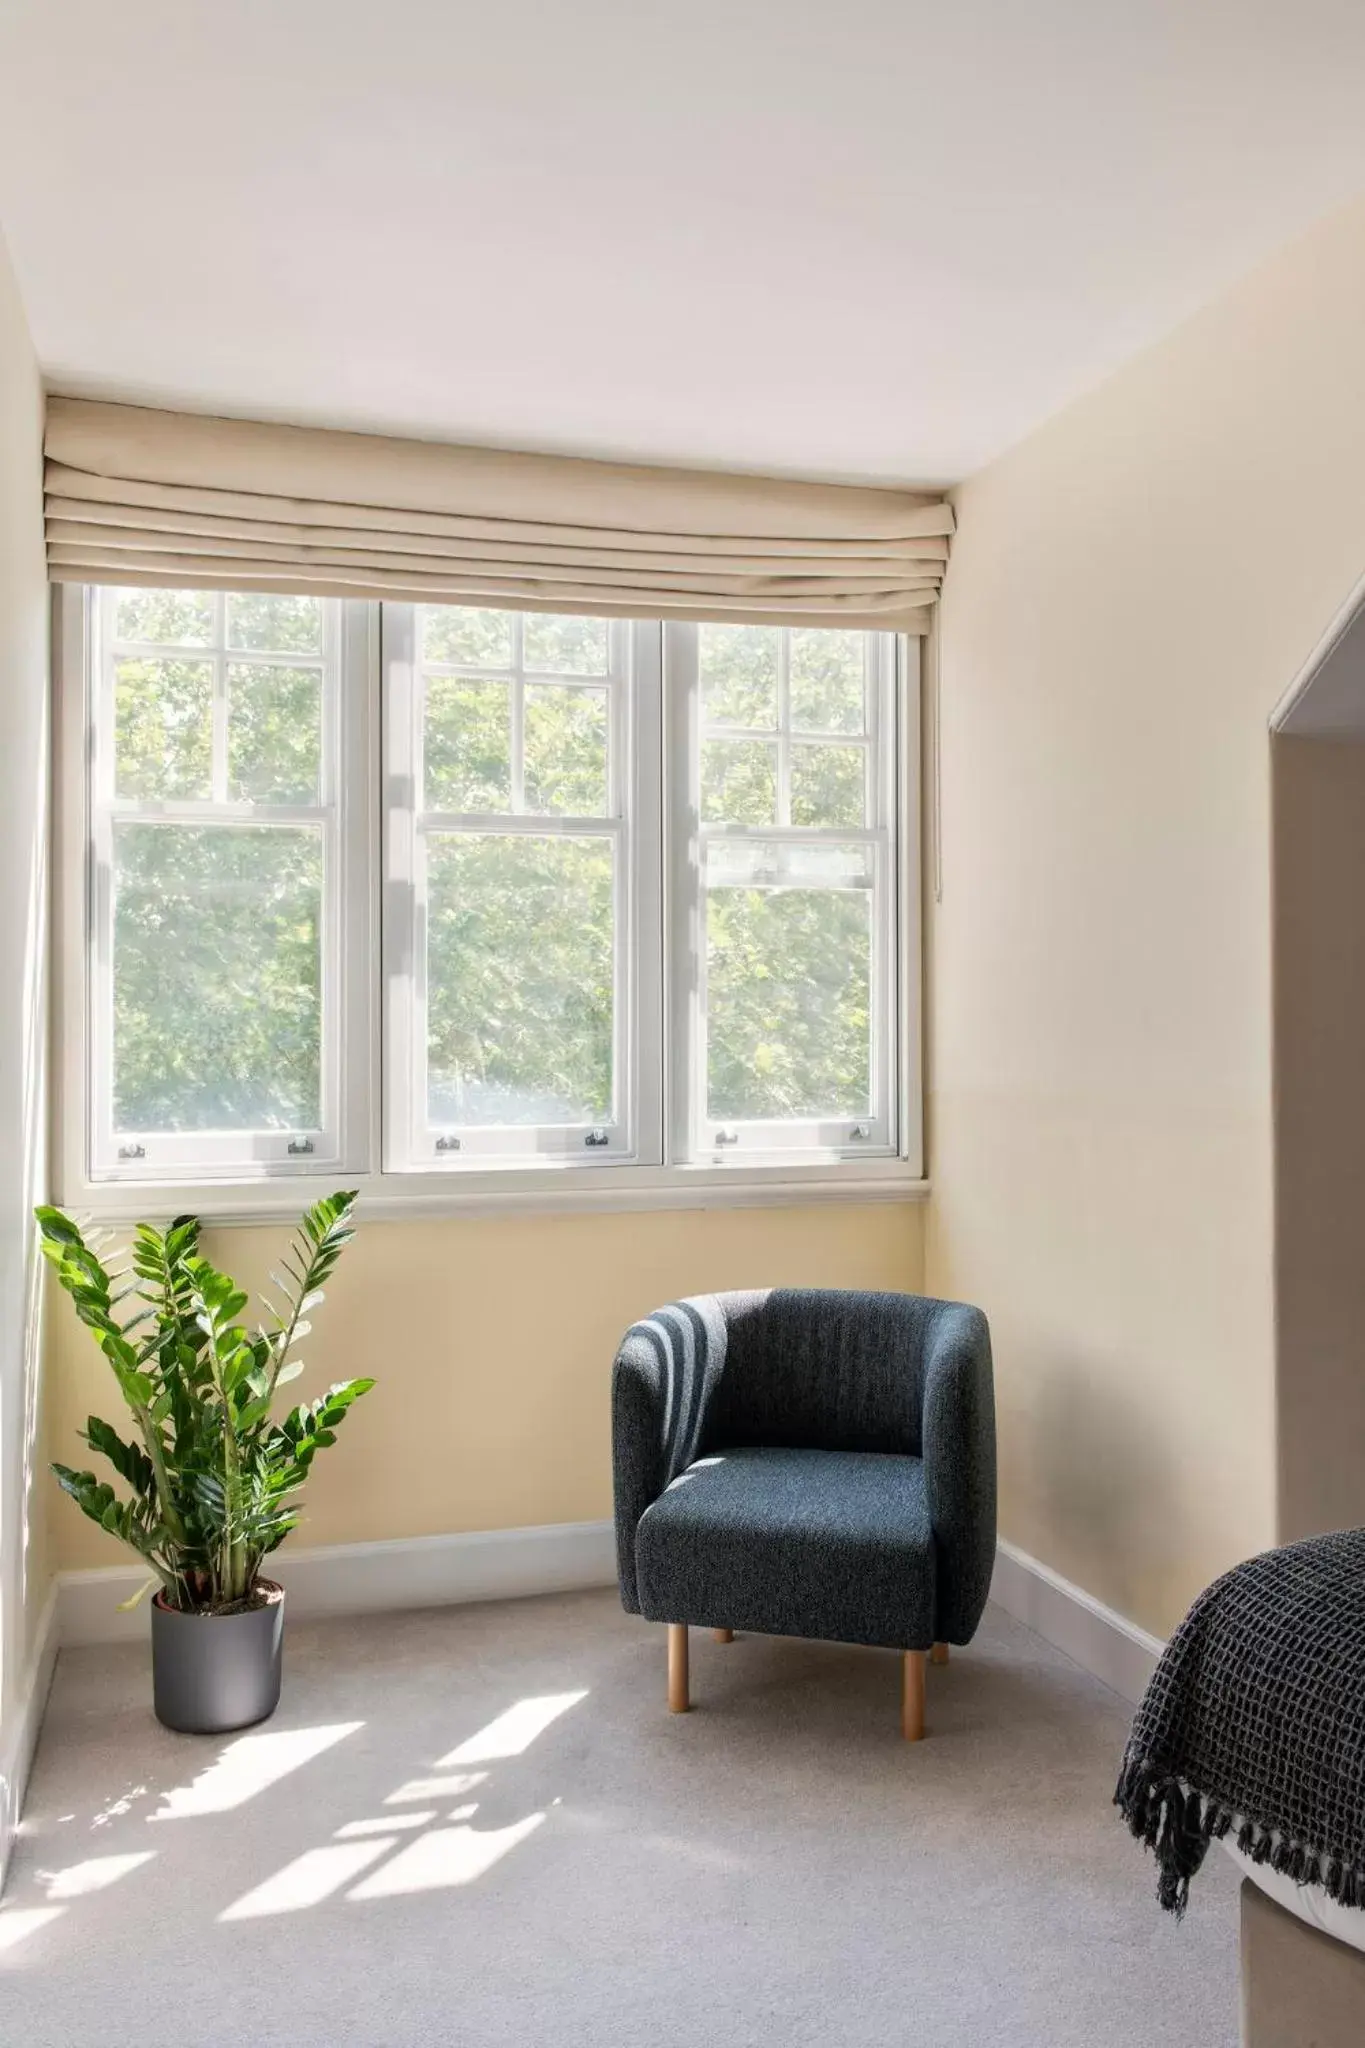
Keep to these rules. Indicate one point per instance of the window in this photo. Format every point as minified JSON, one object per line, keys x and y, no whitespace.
{"x":785,"y":924}
{"x":426,"y":893}
{"x":515,"y":865}
{"x":218,"y":801}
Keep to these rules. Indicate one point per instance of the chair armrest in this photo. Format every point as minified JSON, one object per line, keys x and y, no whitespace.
{"x":661,"y":1384}
{"x":958,"y":1430}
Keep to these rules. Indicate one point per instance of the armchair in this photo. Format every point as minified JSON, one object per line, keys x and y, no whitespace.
{"x":807,"y":1462}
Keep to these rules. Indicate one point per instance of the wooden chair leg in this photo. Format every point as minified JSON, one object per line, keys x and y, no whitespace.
{"x":939,"y":1654}
{"x":725,"y":1635}
{"x":679,"y":1696}
{"x":912,"y":1697}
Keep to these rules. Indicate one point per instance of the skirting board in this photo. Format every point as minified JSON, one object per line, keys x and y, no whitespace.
{"x":1108,"y":1645}
{"x":16,"y":1756}
{"x":508,"y":1564}
{"x":371,"y":1578}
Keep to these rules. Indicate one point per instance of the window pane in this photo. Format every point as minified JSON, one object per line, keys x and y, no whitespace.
{"x":274,"y":733}
{"x":217,"y":977}
{"x":519,"y":980}
{"x":739,"y":674}
{"x":789,"y":984}
{"x":738,"y":782}
{"x":467,"y":762}
{"x":174,"y":618}
{"x":828,"y":680}
{"x":274,"y":625}
{"x":461,"y":633}
{"x":828,"y":785}
{"x":564,"y":646}
{"x":565,"y":764}
{"x":163,"y":728}
{"x":777,"y":864}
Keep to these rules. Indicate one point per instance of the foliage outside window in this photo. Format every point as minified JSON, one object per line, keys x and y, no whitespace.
{"x":786,"y":743}
{"x":580,"y":828}
{"x":214,"y":825}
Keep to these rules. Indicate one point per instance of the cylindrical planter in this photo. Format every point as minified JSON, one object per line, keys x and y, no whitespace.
{"x":212,"y":1672}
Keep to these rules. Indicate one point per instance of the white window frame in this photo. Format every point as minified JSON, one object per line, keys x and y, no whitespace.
{"x":412,"y":1143}
{"x":696,"y":1136}
{"x":659,"y":1172}
{"x":338,"y":1140}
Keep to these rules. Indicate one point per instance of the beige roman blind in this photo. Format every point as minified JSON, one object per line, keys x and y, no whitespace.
{"x":140,"y":496}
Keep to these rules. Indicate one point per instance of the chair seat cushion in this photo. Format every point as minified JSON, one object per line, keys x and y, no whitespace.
{"x":829,"y":1544}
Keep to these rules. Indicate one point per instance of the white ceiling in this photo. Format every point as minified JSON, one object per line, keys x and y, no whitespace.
{"x":864,"y":238}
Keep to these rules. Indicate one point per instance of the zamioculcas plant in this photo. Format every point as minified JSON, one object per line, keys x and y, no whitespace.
{"x":210,"y":1477}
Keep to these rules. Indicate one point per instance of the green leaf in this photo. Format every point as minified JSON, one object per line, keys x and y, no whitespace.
{"x":56,"y":1226}
{"x":346,"y":1391}
{"x":212,"y":1481}
{"x":91,"y":1495}
{"x":128,"y":1460}
{"x":138,"y":1390}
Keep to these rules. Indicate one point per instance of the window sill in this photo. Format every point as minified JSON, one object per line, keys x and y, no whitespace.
{"x":525,"y":1191}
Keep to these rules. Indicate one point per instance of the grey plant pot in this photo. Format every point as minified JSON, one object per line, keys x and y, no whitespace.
{"x":213,"y":1672}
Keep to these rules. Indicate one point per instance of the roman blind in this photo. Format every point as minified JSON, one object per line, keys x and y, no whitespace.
{"x":150,"y":497}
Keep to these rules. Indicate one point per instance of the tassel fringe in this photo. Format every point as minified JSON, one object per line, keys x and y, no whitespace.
{"x":1177,"y":1824}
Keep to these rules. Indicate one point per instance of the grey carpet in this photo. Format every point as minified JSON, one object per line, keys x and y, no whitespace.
{"x":775,"y":1867}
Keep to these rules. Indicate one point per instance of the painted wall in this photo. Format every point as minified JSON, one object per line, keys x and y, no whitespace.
{"x":1319,"y":961}
{"x":24,"y":1567}
{"x":1131,"y":590}
{"x":492,"y":1341}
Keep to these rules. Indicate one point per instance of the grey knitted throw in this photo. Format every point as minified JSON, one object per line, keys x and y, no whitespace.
{"x":1254,"y":1723}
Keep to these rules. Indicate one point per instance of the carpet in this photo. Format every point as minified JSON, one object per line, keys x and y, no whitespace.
{"x":480,"y":1826}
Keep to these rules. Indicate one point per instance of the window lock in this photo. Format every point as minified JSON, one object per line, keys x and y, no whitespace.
{"x":132,"y":1151}
{"x":300,"y":1145}
{"x":448,"y":1143}
{"x":860,"y":1131}
{"x":596,"y":1138}
{"x":727,"y":1137}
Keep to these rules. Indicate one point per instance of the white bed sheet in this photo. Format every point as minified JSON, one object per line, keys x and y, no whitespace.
{"x":1307,"y":1902}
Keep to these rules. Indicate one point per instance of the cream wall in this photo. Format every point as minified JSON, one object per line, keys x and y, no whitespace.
{"x":24,"y":1566}
{"x":492,"y":1343}
{"x":1131,"y":590}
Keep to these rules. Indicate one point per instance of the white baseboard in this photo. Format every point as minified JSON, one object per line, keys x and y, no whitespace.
{"x":508,"y":1564}
{"x":16,"y":1753}
{"x":1108,"y":1645}
{"x":369,"y":1578}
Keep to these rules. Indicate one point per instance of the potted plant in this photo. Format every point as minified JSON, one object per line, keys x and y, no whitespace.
{"x":213,"y":1477}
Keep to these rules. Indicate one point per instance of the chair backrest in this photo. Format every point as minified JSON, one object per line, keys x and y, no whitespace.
{"x":811,"y":1368}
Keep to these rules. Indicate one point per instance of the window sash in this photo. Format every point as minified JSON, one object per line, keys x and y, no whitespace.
{"x":336,"y":1138}
{"x":696,"y":1136}
{"x":413,"y":1142}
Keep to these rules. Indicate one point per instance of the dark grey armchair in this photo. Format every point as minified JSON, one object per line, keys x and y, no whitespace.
{"x":807,"y":1462}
